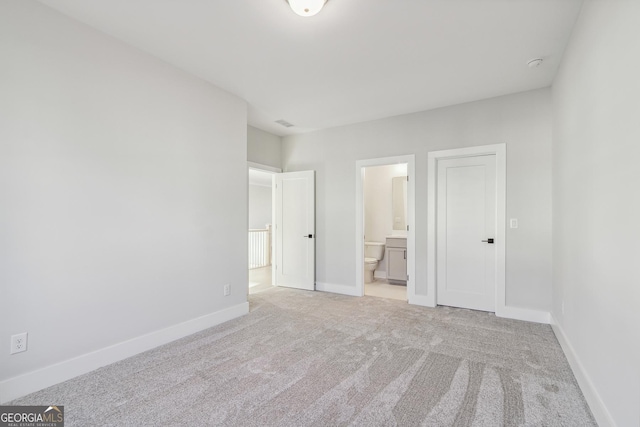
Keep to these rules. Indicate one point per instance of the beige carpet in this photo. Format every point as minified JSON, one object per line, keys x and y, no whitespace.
{"x":316,"y":359}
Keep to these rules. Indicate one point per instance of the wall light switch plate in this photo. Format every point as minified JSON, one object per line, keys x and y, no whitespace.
{"x":513,"y":223}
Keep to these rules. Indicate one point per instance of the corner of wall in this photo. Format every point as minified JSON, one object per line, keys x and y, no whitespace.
{"x":589,"y":390}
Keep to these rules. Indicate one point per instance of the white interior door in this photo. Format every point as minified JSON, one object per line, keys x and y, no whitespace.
{"x":295,"y":230}
{"x":466,"y":225}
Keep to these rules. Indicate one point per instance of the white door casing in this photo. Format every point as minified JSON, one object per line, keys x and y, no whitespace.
{"x":295,"y":229}
{"x":466,"y":226}
{"x":433,"y":158}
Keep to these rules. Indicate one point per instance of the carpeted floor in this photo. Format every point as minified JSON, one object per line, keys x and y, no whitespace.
{"x":305,"y":358}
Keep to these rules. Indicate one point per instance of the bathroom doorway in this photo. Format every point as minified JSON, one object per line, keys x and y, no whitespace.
{"x":385,"y":238}
{"x":260,"y":233}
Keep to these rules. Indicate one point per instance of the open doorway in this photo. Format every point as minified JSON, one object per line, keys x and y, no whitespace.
{"x":385,"y":231}
{"x":260,"y":234}
{"x":385,"y":246}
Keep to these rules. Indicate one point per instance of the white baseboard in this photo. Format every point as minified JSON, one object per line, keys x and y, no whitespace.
{"x":422,"y":300}
{"x":526,"y":314}
{"x":380,"y":274}
{"x":30,"y":382}
{"x":337,"y":289}
{"x":597,"y":406}
{"x":507,"y":312}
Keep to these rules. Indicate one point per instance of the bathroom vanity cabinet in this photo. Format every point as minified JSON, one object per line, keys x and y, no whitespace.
{"x":396,"y":256}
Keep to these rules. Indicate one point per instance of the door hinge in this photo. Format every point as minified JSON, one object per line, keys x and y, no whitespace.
{"x":407,"y":228}
{"x":407,"y":277}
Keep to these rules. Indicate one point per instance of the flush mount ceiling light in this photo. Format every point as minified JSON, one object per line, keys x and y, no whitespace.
{"x":306,"y":7}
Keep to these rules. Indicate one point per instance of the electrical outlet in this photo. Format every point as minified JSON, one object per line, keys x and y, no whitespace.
{"x":18,"y":343}
{"x":227,"y":290}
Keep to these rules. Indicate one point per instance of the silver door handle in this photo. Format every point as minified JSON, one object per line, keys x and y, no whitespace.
{"x":488,"y":241}
{"x":308,"y":236}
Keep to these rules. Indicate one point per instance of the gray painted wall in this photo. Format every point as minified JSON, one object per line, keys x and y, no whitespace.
{"x":123,"y":183}
{"x":259,"y":206}
{"x":522,"y":121}
{"x":596,"y":200}
{"x":264,"y":147}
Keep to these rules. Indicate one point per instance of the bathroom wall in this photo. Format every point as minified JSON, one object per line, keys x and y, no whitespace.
{"x":378,"y":212}
{"x":123,"y":183}
{"x":522,"y":121}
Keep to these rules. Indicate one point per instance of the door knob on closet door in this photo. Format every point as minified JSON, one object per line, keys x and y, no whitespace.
{"x":308,"y":236}
{"x":488,"y":241}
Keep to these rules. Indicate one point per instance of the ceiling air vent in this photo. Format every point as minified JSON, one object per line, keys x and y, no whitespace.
{"x":284,"y":123}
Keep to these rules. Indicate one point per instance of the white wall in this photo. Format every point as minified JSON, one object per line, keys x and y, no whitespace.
{"x":596,"y":200}
{"x":123,"y":184}
{"x":522,"y":121}
{"x":259,"y":206}
{"x":264,"y":148}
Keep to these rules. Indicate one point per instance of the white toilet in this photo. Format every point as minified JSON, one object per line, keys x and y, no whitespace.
{"x":373,"y":252}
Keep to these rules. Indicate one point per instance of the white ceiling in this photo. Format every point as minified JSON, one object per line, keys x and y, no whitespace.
{"x":357,"y":60}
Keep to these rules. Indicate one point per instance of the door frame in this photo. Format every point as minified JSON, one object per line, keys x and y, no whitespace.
{"x":273,"y":170}
{"x":500,"y":151}
{"x":411,"y":233}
